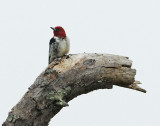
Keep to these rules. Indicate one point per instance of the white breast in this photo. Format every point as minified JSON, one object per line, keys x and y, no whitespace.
{"x":64,"y":46}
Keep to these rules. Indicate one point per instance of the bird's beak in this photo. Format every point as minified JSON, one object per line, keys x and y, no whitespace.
{"x":52,"y":28}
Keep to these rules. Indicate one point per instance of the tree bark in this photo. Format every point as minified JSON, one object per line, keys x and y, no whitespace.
{"x":65,"y":79}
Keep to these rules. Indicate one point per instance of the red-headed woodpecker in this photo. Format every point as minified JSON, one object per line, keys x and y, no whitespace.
{"x":59,"y":44}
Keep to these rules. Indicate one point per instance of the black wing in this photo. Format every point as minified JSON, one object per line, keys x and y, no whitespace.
{"x":53,"y":49}
{"x":52,"y":41}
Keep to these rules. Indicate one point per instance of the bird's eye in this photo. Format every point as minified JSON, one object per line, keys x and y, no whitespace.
{"x":59,"y":29}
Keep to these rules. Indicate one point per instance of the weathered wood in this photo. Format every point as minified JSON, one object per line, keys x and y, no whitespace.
{"x":65,"y":79}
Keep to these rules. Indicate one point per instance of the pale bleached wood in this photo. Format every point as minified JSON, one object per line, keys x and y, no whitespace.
{"x":65,"y":79}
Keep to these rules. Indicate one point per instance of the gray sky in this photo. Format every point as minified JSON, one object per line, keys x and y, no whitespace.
{"x":123,"y":27}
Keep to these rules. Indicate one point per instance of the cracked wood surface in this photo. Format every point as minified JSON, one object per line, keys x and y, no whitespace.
{"x":67,"y":78}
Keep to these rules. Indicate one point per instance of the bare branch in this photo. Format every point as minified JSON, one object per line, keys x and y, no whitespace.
{"x":65,"y":79}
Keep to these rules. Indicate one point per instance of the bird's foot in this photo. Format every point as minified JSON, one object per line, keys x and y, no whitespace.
{"x":66,"y":56}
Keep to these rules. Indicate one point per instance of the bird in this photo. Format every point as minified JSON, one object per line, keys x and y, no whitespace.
{"x":59,"y":44}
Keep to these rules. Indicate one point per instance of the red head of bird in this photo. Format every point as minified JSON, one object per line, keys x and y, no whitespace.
{"x":59,"y":32}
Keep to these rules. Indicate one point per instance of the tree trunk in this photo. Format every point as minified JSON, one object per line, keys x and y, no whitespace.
{"x":65,"y":79}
